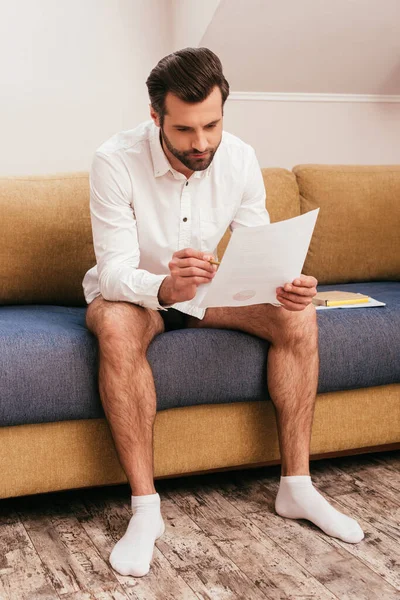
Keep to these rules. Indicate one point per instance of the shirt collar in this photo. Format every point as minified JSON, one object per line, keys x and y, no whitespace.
{"x":161,"y":163}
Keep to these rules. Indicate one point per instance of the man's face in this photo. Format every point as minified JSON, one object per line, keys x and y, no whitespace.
{"x":191,"y":133}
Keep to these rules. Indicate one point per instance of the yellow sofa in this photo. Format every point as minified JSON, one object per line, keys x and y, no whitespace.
{"x":46,"y":248}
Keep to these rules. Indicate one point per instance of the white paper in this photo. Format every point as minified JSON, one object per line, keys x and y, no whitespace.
{"x":258,"y":260}
{"x":371,"y":302}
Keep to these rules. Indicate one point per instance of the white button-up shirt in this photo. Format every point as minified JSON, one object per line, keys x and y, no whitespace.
{"x":142,"y":211}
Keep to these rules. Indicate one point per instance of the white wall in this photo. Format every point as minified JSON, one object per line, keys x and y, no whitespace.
{"x":284,"y":134}
{"x":190,"y":21}
{"x":72,"y":73}
{"x":323,"y":46}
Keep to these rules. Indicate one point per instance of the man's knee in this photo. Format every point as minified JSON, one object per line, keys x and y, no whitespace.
{"x":123,"y":320}
{"x":91,"y":313}
{"x":299,"y":327}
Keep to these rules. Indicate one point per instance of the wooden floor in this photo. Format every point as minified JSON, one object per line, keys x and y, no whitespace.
{"x":223,"y":539}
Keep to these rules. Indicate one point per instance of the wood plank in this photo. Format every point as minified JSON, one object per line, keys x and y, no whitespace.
{"x":66,"y":550}
{"x":379,"y":549}
{"x":296,"y":538}
{"x":3,"y":592}
{"x":332,"y":481}
{"x":340,"y":572}
{"x":106,"y":595}
{"x":275,"y":573}
{"x":21,"y":569}
{"x":374,"y":475}
{"x":390,"y":459}
{"x":207,"y":569}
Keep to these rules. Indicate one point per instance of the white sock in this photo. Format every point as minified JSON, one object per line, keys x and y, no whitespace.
{"x":297,"y":498}
{"x":134,"y":551}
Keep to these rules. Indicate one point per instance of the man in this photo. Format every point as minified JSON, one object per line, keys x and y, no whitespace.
{"x":161,"y":198}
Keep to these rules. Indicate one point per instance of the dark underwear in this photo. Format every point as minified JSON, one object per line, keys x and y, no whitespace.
{"x":174,"y":319}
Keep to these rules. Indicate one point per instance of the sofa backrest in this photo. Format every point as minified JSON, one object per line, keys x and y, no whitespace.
{"x":46,"y":239}
{"x":46,"y":242}
{"x":357,"y":233}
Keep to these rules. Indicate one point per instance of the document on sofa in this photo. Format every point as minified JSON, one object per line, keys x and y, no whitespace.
{"x":257,"y":260}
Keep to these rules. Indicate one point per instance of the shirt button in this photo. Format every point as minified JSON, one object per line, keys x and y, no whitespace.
{"x":187,"y":183}
{"x":185,"y":219}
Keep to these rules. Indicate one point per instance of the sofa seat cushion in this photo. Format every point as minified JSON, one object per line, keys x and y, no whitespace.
{"x":49,"y":359}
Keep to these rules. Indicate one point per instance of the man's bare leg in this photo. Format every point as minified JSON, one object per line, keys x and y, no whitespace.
{"x":292,"y":370}
{"x":126,"y":385}
{"x":292,"y":376}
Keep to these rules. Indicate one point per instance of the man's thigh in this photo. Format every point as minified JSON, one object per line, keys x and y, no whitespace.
{"x":266,"y":321}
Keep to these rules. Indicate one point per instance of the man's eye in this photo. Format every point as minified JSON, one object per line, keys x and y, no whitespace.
{"x":208,"y":126}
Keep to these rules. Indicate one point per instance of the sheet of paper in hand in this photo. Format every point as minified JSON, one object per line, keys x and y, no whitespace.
{"x":257,"y":260}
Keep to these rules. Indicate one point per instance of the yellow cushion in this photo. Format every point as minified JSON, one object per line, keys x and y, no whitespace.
{"x":46,"y":239}
{"x":357,"y":234}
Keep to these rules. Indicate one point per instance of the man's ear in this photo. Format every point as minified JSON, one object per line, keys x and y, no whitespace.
{"x":154,"y":116}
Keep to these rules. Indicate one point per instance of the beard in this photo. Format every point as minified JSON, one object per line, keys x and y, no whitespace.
{"x":187,"y":158}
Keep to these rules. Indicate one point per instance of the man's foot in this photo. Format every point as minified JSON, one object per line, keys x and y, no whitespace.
{"x":297,"y":498}
{"x":133,"y":553}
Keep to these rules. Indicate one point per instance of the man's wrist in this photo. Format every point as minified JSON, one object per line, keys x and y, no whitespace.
{"x":165,"y":292}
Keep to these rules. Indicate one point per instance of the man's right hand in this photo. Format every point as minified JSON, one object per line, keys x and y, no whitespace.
{"x":189,"y":268}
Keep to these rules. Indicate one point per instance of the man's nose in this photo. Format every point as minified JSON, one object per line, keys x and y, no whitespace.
{"x":199,"y":144}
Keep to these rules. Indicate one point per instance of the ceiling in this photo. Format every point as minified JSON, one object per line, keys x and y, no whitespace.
{"x":308,"y":46}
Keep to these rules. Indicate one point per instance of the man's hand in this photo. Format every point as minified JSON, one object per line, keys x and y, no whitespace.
{"x":189,"y":268}
{"x":299,"y":294}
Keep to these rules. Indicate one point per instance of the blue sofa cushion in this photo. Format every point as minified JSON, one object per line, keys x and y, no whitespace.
{"x":49,"y":359}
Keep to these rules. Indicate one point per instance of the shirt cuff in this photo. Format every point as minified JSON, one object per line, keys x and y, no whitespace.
{"x":153,"y":302}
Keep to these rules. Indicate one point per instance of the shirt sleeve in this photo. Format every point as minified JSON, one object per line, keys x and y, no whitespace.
{"x":252,"y":210}
{"x":115,"y":238}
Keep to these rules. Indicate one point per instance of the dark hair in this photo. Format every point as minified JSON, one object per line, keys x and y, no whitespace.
{"x":190,"y":74}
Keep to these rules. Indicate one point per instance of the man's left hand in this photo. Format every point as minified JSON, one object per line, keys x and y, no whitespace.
{"x":298,"y":294}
